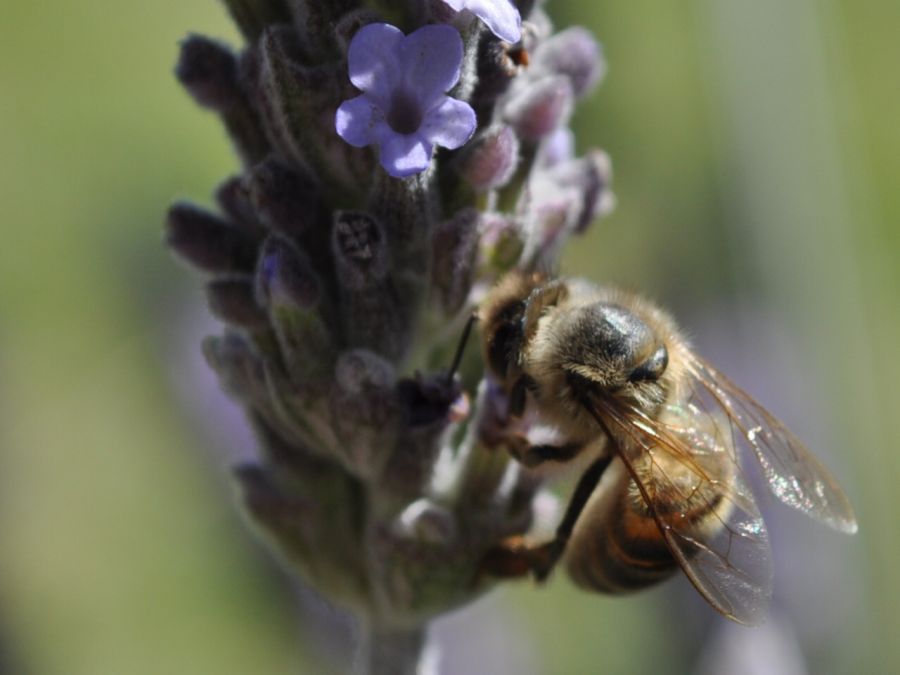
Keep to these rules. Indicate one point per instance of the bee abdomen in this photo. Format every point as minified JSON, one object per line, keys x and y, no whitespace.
{"x":615,"y":547}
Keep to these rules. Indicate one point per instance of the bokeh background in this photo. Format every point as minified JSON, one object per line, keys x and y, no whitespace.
{"x":757,"y":158}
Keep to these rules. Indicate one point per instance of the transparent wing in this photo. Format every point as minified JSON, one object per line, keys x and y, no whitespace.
{"x":793,"y":474}
{"x":685,"y":468}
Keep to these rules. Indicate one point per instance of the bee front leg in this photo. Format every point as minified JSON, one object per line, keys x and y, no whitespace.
{"x":516,"y":558}
{"x":534,"y":455}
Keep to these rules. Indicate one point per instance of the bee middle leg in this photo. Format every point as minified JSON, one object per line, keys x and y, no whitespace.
{"x":516,"y":558}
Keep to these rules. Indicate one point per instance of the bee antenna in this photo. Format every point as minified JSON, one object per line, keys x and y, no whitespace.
{"x":461,"y":348}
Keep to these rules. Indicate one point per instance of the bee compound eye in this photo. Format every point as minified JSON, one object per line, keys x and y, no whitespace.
{"x":651,"y":369}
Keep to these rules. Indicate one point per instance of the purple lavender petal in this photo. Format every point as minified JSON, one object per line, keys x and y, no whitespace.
{"x":431,"y":58}
{"x":357,"y":121}
{"x":450,"y":124}
{"x":499,"y":15}
{"x":372,"y":60}
{"x":403,"y":156}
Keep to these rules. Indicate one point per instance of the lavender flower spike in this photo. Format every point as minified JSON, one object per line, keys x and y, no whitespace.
{"x":379,"y":481}
{"x":403,"y":108}
{"x":501,"y":16}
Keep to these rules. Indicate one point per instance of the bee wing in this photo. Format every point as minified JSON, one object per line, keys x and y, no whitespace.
{"x":791,"y":471}
{"x":693,"y":488}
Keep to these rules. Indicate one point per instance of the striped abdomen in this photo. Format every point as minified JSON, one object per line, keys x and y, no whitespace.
{"x":617,"y":547}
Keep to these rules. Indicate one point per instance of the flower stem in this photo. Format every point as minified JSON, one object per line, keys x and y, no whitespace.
{"x":390,"y":651}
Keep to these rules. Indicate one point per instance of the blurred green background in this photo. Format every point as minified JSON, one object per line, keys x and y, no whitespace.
{"x":757,"y":157}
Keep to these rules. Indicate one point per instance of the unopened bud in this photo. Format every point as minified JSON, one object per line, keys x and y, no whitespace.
{"x":374,"y":313}
{"x":576,"y":54}
{"x":364,"y":411}
{"x":538,"y":107}
{"x":285,"y":276}
{"x":491,"y":158}
{"x":360,"y":250}
{"x":239,"y":369}
{"x":289,"y":287}
{"x":234,"y":200}
{"x":501,"y":244}
{"x":590,"y":176}
{"x":556,"y":147}
{"x":233,"y":300}
{"x":286,"y":200}
{"x":208,"y":70}
{"x":455,"y":255}
{"x":207,"y":241}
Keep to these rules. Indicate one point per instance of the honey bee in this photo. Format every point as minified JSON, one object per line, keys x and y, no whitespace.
{"x":666,"y":434}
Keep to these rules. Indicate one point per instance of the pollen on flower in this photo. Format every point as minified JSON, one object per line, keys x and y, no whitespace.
{"x":404,"y":108}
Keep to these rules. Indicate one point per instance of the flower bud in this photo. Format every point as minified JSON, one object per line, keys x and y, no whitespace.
{"x":234,"y":200}
{"x":364,"y":411}
{"x":574,"y":53}
{"x":455,"y":253}
{"x":239,"y":369}
{"x":360,"y":250}
{"x":536,"y":108}
{"x":286,"y":200}
{"x":590,"y":176}
{"x":375,"y":315}
{"x":501,"y":244}
{"x":209,"y":71}
{"x":555,"y":148}
{"x":233,"y":300}
{"x":207,"y":241}
{"x":312,"y":523}
{"x":491,"y":158}
{"x":288,"y":286}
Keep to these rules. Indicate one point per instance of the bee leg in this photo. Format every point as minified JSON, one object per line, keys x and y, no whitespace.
{"x":553,"y":550}
{"x":515,"y":558}
{"x":518,"y":395}
{"x":538,"y":454}
{"x":534,"y":455}
{"x":546,"y":295}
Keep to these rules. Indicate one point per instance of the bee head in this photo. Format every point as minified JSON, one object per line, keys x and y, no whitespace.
{"x":503,"y":322}
{"x":617,"y":351}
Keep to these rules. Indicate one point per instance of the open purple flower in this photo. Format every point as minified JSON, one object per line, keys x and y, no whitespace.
{"x":501,"y":16}
{"x":404,"y":108}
